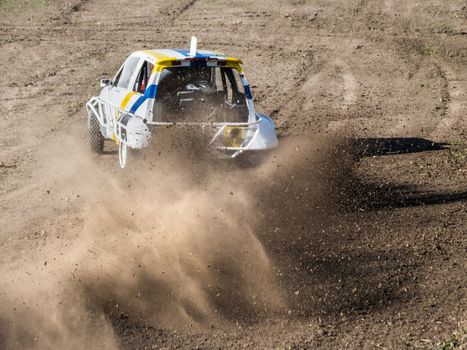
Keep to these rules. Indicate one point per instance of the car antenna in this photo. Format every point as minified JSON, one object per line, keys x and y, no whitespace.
{"x":194,"y":43}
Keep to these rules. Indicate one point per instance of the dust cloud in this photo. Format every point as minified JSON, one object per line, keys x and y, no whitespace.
{"x":179,"y":240}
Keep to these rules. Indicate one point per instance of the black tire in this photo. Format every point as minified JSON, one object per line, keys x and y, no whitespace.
{"x":96,"y":139}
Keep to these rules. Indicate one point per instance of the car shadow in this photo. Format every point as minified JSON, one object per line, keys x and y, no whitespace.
{"x":393,"y":197}
{"x":361,"y":194}
{"x":368,"y":147}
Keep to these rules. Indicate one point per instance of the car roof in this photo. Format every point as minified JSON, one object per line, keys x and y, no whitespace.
{"x":163,"y":55}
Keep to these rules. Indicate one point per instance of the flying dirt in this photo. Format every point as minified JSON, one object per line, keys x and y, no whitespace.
{"x":180,"y":249}
{"x":350,"y":234}
{"x":175,"y":249}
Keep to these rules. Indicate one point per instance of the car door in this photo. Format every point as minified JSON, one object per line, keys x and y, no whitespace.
{"x":142,"y":92}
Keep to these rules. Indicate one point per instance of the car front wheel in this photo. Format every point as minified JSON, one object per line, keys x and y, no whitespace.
{"x":95,"y":136}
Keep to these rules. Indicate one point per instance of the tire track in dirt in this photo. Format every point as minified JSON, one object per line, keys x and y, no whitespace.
{"x":350,"y":88}
{"x":175,"y":10}
{"x":322,"y":79}
{"x":455,"y":105}
{"x":421,"y":68}
{"x":350,"y":85}
{"x":405,"y":8}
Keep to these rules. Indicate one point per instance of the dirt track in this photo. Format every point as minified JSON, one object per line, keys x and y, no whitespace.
{"x":365,"y":240}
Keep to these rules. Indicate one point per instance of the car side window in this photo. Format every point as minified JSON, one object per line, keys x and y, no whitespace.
{"x":141,"y":82}
{"x":127,"y":72}
{"x":117,"y":77}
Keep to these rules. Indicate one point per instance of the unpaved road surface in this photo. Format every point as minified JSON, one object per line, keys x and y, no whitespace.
{"x":354,"y":235}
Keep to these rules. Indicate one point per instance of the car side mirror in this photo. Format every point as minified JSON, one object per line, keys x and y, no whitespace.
{"x":105,"y":82}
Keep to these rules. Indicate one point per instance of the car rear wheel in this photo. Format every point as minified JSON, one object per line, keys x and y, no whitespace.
{"x":95,"y":137}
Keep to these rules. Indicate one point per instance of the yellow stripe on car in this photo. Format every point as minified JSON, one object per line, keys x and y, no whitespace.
{"x":157,"y":55}
{"x":114,"y":137}
{"x":127,"y":99}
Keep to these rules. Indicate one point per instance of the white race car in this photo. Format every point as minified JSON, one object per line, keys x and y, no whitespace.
{"x":193,"y":88}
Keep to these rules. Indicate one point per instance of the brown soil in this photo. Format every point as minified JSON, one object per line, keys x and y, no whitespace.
{"x":353,"y":234}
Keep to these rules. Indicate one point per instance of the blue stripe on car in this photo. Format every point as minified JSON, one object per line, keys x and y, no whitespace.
{"x":186,"y":53}
{"x":149,"y":93}
{"x":247,"y":92}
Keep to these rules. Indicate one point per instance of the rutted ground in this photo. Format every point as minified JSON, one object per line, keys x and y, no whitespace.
{"x":389,"y":267}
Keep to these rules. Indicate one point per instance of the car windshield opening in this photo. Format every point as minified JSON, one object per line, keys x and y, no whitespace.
{"x":200,"y":94}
